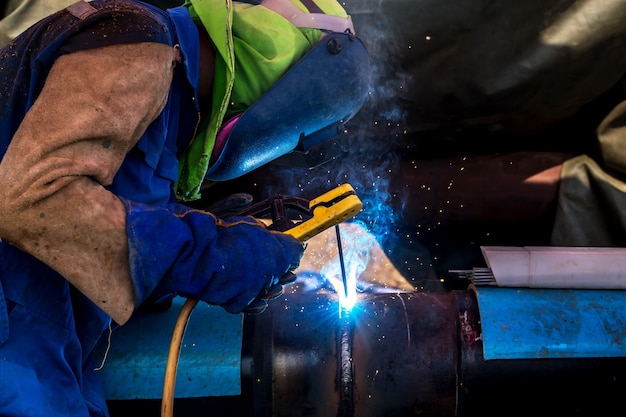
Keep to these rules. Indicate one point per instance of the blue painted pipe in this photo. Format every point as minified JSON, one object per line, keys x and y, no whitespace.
{"x":210,"y":356}
{"x":521,"y":323}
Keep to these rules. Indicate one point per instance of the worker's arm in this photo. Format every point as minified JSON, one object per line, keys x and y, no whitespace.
{"x":94,"y":107}
{"x":118,"y":252}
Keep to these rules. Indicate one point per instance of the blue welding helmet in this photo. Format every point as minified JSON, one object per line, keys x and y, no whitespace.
{"x":309,"y":104}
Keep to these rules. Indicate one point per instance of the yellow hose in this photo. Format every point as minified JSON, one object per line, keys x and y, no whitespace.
{"x":169,"y":382}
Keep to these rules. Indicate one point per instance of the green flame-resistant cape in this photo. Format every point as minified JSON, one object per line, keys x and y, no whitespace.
{"x":254,"y":47}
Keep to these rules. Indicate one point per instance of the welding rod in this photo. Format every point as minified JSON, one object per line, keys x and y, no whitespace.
{"x":346,"y":372}
{"x":344,"y":278}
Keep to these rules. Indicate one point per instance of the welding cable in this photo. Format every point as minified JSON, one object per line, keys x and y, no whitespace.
{"x":169,"y":382}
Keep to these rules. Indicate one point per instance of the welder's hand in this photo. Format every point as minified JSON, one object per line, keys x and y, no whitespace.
{"x":274,"y":290}
{"x":226,"y":262}
{"x":265,"y":257}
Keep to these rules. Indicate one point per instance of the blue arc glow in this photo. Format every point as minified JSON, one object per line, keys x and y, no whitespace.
{"x":347,"y":296}
{"x":356,"y":255}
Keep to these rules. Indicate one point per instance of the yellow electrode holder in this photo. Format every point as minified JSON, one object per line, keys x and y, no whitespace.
{"x":329,"y":209}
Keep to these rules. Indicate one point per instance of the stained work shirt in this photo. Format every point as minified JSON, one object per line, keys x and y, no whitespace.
{"x":48,"y":330}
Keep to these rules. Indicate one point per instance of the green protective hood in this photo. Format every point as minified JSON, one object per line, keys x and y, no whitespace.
{"x":254,"y":47}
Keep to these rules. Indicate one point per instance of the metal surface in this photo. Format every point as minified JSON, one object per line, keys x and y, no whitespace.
{"x":402,"y":360}
{"x":522,"y":323}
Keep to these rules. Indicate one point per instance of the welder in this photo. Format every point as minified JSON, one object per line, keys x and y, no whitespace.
{"x":111,"y":114}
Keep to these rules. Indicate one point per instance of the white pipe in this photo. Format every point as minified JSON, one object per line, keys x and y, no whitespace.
{"x":557,"y":267}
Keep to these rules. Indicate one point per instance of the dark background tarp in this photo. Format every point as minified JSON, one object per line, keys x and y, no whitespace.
{"x":500,"y":65}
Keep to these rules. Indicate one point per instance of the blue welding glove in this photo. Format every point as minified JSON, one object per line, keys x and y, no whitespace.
{"x":274,"y":290}
{"x":233,"y":263}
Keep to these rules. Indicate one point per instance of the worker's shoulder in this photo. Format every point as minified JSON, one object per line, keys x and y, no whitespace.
{"x":122,"y":12}
{"x":108,"y":22}
{"x":87,"y":25}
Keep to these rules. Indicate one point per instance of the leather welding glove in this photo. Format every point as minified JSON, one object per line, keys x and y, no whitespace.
{"x":260,"y":303}
{"x":192,"y":253}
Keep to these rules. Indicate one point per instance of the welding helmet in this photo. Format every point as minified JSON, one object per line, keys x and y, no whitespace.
{"x":308,"y":105}
{"x":324,"y":85}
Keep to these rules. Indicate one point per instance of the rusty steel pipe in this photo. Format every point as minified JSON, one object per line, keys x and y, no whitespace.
{"x":403,"y":355}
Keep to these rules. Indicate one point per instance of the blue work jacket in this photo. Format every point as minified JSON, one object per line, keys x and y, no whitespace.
{"x":49,"y":331}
